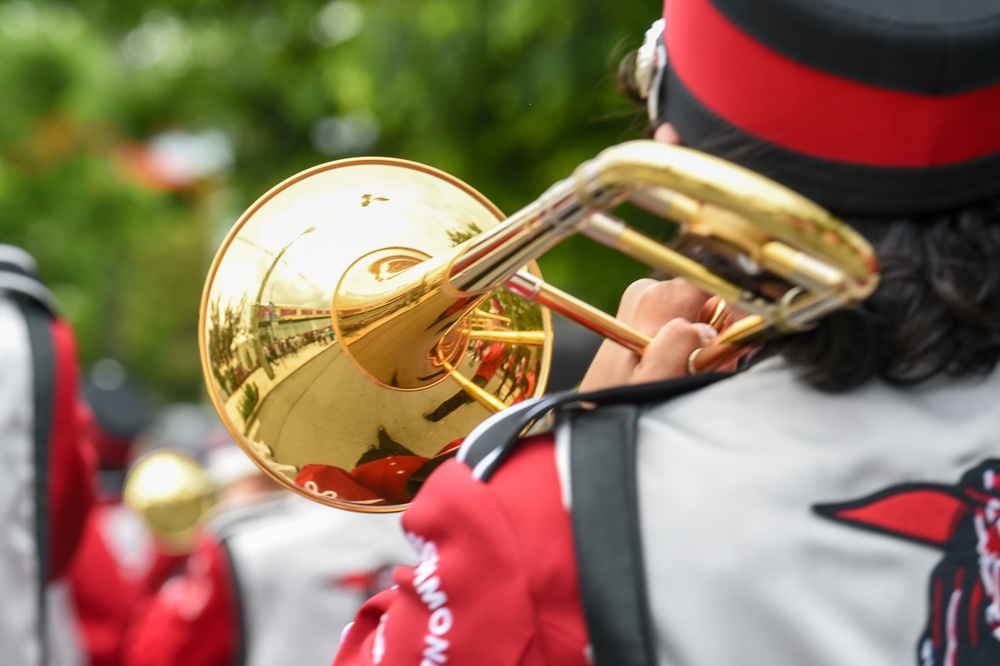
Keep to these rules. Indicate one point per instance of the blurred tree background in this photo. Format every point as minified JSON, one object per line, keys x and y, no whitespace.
{"x":133,"y":134}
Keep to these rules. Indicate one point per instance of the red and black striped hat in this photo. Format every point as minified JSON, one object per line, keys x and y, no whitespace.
{"x":878,"y":107}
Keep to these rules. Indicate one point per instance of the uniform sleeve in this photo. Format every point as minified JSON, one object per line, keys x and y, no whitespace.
{"x":192,"y":619}
{"x":497,"y":577}
{"x":72,"y":462}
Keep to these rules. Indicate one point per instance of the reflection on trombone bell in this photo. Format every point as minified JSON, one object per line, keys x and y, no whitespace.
{"x":386,"y":475}
{"x":429,"y":286}
{"x":493,"y":350}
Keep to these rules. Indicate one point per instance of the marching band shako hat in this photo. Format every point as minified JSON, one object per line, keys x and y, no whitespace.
{"x":873,"y":107}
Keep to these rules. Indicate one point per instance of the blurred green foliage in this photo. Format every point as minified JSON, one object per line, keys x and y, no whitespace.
{"x":507,"y":95}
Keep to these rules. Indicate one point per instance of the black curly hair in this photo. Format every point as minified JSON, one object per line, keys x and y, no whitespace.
{"x":936,"y":311}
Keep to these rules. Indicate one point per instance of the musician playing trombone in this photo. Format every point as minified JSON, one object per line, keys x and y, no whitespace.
{"x":835,"y":499}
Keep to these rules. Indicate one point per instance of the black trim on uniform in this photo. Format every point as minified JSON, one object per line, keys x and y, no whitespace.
{"x":937,"y":48}
{"x":847,"y":188}
{"x":11,"y":267}
{"x":504,"y":431}
{"x":499,"y":439}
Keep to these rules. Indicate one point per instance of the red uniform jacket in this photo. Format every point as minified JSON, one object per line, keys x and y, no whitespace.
{"x":72,"y":460}
{"x":192,"y":620}
{"x":497,"y":582}
{"x":115,"y":568}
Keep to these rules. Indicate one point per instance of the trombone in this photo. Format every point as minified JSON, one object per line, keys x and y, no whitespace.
{"x":364,"y":315}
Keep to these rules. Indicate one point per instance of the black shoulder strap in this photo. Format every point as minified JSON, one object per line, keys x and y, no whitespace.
{"x":606,"y":531}
{"x":606,"y":536}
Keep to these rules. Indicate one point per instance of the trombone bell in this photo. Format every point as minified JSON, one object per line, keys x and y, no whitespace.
{"x":341,"y":377}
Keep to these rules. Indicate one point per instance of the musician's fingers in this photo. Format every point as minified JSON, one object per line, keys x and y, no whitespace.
{"x":648,"y":305}
{"x":667,"y":355}
{"x":664,"y":358}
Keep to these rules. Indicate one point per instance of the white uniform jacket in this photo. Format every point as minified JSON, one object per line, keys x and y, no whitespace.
{"x":785,"y":526}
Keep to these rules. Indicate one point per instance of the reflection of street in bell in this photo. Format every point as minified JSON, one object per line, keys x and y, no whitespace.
{"x":262,"y":358}
{"x":455,"y":401}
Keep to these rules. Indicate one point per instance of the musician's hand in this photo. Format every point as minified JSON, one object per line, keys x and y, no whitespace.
{"x":666,"y":311}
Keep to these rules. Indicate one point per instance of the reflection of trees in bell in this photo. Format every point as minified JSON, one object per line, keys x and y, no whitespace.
{"x":525,"y":315}
{"x":458,"y":237}
{"x":222,"y":332}
{"x":251,"y":396}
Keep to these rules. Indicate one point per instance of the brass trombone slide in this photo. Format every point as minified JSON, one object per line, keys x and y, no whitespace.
{"x":365,"y":315}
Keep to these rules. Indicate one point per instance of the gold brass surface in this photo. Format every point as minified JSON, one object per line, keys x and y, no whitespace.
{"x":337,"y":375}
{"x":172,"y":493}
{"x":365,"y":315}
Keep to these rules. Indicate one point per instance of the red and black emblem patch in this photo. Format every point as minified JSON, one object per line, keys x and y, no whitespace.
{"x":963,"y":521}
